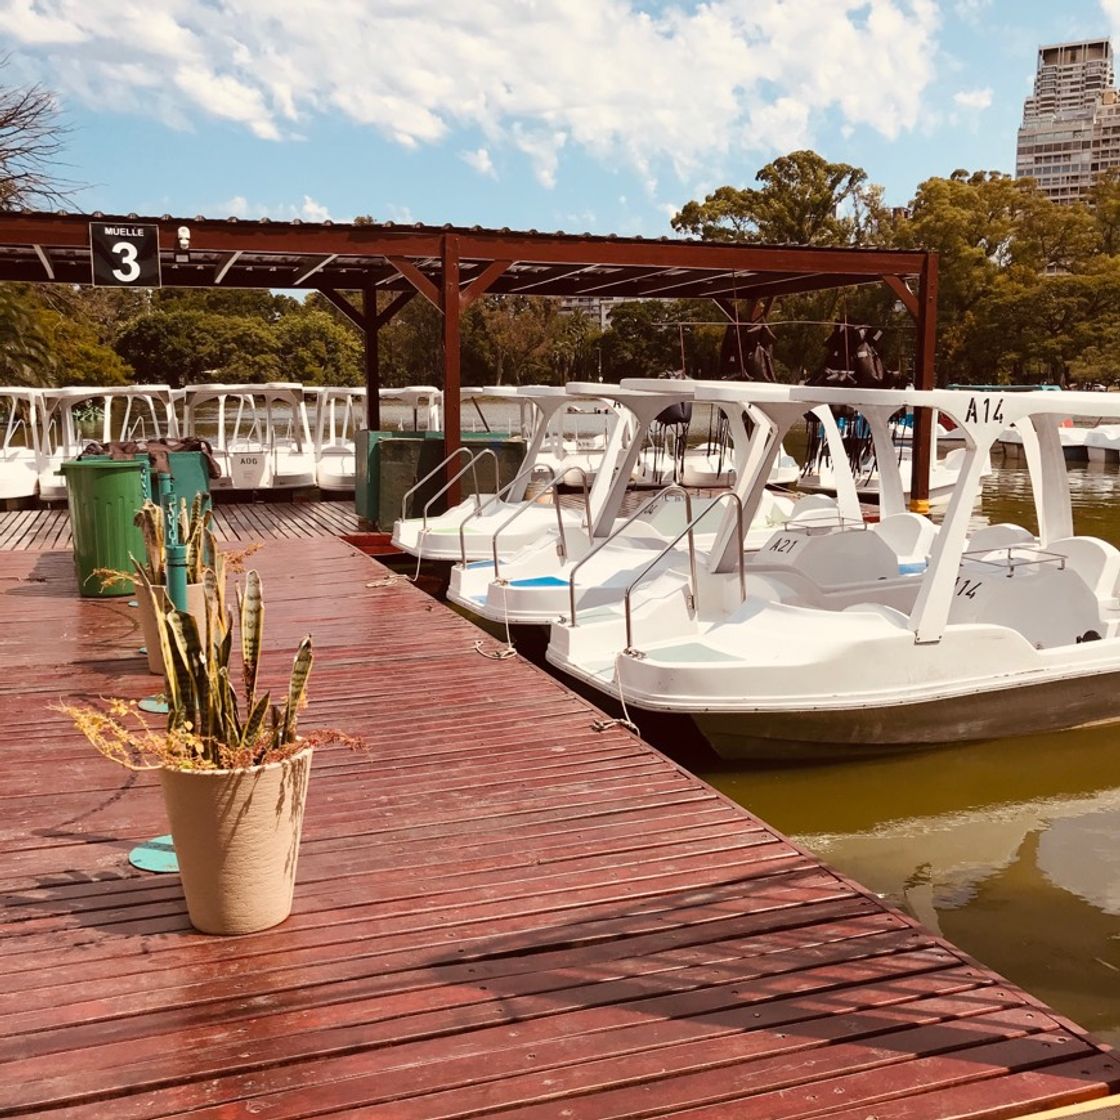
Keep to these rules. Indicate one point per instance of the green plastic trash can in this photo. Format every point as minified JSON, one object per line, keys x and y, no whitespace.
{"x":104,"y":495}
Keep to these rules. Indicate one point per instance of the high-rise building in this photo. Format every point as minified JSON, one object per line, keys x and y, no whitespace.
{"x":1071,"y":124}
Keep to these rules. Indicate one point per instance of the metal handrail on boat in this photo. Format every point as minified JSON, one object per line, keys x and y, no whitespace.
{"x":673,"y":487}
{"x":531,"y":470}
{"x":431,"y":474}
{"x":692,"y":584}
{"x":470,"y":466}
{"x":562,"y":542}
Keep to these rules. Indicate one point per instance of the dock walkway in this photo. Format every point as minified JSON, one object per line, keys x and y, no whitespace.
{"x":500,"y":910}
{"x":43,"y":528}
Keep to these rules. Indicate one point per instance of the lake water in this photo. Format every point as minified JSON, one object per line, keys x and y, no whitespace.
{"x":1008,"y":848}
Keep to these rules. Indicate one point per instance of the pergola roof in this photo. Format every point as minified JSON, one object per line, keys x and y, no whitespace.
{"x":452,"y":266}
{"x":391,"y":257}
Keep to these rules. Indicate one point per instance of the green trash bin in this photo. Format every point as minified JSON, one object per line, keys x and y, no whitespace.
{"x":104,"y":495}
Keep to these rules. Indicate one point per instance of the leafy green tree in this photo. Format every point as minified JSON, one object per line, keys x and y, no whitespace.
{"x":184,"y":347}
{"x":1104,"y":202}
{"x":316,"y":347}
{"x":804,"y":199}
{"x":254,"y":303}
{"x":24,"y":345}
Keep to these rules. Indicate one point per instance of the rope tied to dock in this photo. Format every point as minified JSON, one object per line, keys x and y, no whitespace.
{"x":625,"y":720}
{"x":385,"y":581}
{"x":508,"y":650}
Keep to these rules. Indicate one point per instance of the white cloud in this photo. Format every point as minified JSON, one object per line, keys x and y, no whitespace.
{"x":480,"y":160}
{"x":631,"y":84}
{"x":240,"y":207}
{"x":973,"y":98}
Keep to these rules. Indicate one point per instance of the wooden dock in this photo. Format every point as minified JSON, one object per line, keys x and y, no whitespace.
{"x":43,"y":529}
{"x":500,"y":912}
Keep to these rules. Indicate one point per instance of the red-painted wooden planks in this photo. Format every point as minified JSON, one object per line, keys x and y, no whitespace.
{"x":500,"y":910}
{"x":35,"y":530}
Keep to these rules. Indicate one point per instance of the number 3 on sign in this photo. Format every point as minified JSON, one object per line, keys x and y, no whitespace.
{"x":125,"y":251}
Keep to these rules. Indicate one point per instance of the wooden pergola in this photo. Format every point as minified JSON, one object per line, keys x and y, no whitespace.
{"x":452,"y":267}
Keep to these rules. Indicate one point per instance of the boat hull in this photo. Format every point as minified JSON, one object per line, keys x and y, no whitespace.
{"x":1059,"y":705}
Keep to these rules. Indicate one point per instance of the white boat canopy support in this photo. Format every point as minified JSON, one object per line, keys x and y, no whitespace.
{"x":425,"y":401}
{"x":20,"y":449}
{"x":147,"y":412}
{"x":340,"y":412}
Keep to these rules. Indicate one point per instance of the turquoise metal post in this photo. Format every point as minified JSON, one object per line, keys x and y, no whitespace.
{"x":176,"y":552}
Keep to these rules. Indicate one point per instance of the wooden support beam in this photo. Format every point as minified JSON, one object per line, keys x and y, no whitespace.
{"x":372,"y":358}
{"x":338,"y":300}
{"x":48,"y":268}
{"x":450,"y":301}
{"x":727,"y":306}
{"x":396,"y":305}
{"x":418,"y":280}
{"x":225,"y":266}
{"x":481,"y":283}
{"x":924,"y":378}
{"x":309,"y":272}
{"x":907,"y":297}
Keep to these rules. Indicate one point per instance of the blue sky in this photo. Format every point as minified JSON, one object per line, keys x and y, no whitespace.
{"x":601,"y":115}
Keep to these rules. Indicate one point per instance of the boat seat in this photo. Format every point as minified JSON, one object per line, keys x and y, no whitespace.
{"x":1001,"y":535}
{"x":909,"y":534}
{"x":814,"y":507}
{"x":1048,"y":605}
{"x":1097,"y":562}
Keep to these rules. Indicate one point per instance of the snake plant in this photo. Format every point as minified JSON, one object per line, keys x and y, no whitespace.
{"x":195,"y":531}
{"x":201,"y":696}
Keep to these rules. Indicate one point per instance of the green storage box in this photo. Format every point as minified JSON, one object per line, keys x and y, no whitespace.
{"x":389,"y":464}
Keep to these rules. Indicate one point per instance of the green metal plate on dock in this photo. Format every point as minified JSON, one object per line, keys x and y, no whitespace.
{"x":156,"y":855}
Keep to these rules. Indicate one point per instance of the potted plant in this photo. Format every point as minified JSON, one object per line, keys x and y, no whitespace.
{"x":202,"y":550}
{"x":234,"y":771}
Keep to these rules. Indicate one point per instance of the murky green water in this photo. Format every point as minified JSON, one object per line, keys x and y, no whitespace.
{"x":1011,"y":849}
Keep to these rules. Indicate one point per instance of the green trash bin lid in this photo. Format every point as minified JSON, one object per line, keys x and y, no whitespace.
{"x":100,"y":464}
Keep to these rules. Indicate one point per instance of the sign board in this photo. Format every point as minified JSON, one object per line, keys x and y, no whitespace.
{"x":124,"y":255}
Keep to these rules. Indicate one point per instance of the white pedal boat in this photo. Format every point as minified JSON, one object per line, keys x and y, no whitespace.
{"x":129,"y":412}
{"x":539,"y":583}
{"x":263,"y":440}
{"x":837,"y":645}
{"x":467,"y":530}
{"x":425,"y":402}
{"x":20,"y":437}
{"x":339,"y":414}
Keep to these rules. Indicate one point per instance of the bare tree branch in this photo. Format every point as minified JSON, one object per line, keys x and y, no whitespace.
{"x":32,"y":136}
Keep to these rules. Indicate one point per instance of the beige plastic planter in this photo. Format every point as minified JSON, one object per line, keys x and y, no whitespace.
{"x":236,"y":836}
{"x":196,"y":606}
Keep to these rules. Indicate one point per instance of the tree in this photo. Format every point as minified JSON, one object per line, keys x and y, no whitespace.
{"x":24,"y":352}
{"x":510,"y":339}
{"x":316,"y":347}
{"x":183,"y":347}
{"x":1104,"y":202}
{"x":256,"y":303}
{"x":804,"y":200}
{"x":32,"y":134}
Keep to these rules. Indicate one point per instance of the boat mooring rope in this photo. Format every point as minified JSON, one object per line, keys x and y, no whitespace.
{"x":625,"y":721}
{"x":502,"y":653}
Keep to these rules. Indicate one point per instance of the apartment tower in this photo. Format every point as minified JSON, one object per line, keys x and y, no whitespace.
{"x":1071,"y":123}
